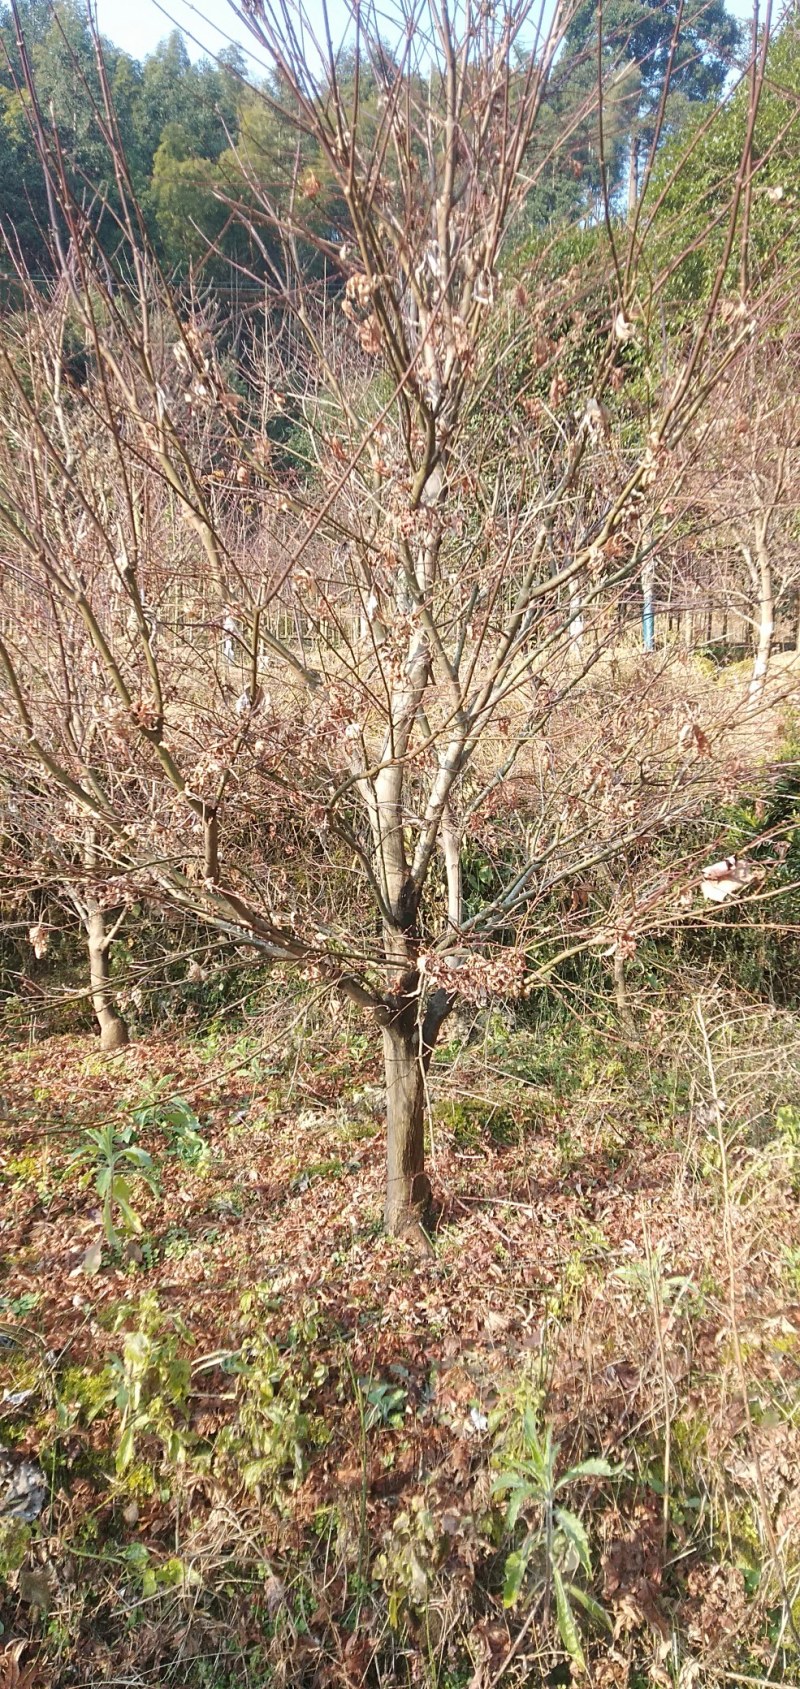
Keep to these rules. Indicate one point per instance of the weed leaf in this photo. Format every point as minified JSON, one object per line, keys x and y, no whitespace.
{"x":566,"y":1622}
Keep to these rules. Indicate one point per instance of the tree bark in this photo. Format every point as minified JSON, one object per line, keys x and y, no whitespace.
{"x":408,"y":1190}
{"x":113,"y":1030}
{"x":451,"y":850}
{"x":626,"y":1019}
{"x":407,"y":1050}
{"x":633,"y":177}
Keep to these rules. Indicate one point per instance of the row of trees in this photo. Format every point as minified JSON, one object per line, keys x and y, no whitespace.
{"x":168,"y":110}
{"x":449,"y":456}
{"x":195,"y":133}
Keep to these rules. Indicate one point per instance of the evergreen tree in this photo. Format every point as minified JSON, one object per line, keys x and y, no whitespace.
{"x":636,"y":49}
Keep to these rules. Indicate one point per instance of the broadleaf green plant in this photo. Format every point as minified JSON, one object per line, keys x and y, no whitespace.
{"x":152,"y":1381}
{"x":117,"y":1160}
{"x":555,"y":1548}
{"x":178,"y":1117}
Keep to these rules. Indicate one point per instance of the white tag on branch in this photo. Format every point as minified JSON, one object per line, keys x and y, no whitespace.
{"x":724,"y":879}
{"x":39,"y":937}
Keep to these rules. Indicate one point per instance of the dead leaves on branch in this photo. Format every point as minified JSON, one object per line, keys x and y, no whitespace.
{"x":692,"y":737}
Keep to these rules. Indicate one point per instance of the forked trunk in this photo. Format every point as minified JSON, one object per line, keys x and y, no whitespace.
{"x":113,"y":1030}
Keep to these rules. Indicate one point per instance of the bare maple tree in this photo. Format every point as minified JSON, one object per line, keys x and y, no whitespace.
{"x":341,"y":592}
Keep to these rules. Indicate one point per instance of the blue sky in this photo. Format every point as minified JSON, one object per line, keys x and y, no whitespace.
{"x":138,"y":25}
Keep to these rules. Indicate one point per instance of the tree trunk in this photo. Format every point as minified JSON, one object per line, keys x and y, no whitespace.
{"x":408,"y":1190}
{"x":766,"y":616}
{"x":407,"y":1051}
{"x":626,"y":1019}
{"x":633,"y":177}
{"x":451,"y":850}
{"x":113,"y":1030}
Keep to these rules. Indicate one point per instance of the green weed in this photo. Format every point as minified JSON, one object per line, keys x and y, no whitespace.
{"x":117,"y":1161}
{"x":174,"y":1115}
{"x":151,"y":1379}
{"x":555,"y":1548}
{"x":414,"y":1550}
{"x":275,"y":1426}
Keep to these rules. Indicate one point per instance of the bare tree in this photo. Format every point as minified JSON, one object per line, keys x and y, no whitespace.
{"x":767,"y":429}
{"x":744,"y":555}
{"x":314,"y":671}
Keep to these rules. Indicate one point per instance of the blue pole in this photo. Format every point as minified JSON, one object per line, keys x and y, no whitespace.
{"x":648,"y":610}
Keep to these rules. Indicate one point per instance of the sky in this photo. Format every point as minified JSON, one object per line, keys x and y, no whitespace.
{"x":138,"y":25}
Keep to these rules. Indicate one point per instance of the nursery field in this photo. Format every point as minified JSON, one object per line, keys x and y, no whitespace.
{"x":399,"y":849}
{"x":251,"y":1440}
